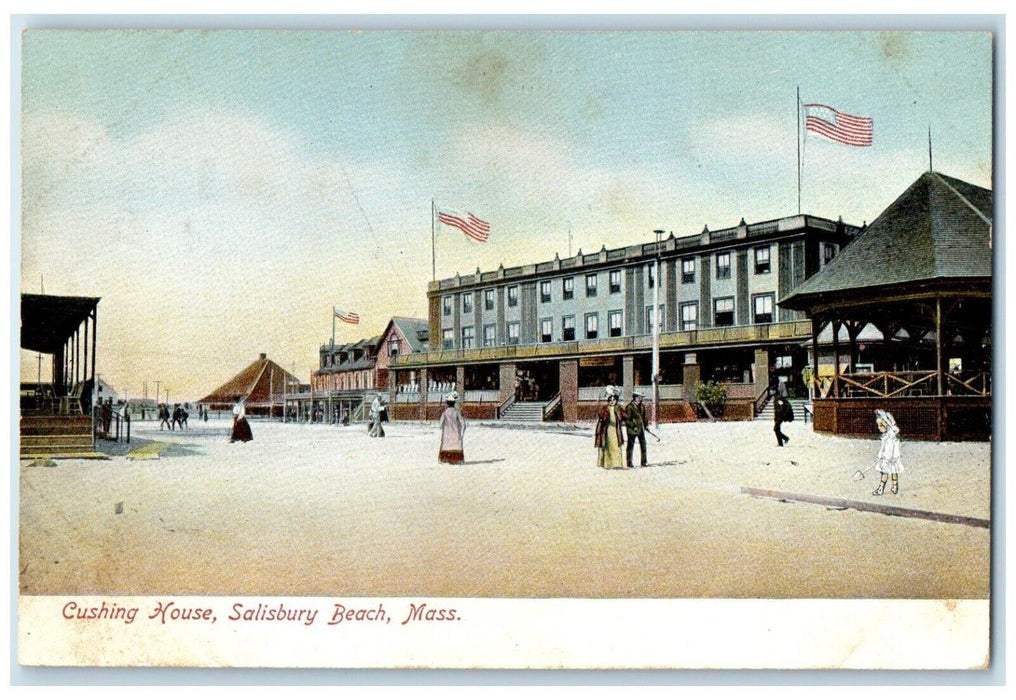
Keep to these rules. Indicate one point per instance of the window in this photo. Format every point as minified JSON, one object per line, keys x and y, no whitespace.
{"x":513,"y":333}
{"x":544,"y":291}
{"x":763,"y":304}
{"x":393,"y":348}
{"x":614,"y":323}
{"x":513,"y":296}
{"x":652,"y":275}
{"x":447,"y":339}
{"x":467,"y":303}
{"x":723,"y":266}
{"x":467,"y":337}
{"x":489,"y":335}
{"x":488,"y":299}
{"x":762,"y":265}
{"x":592,"y":325}
{"x":615,"y":281}
{"x":546,"y":330}
{"x":688,"y":271}
{"x":650,"y":321}
{"x":568,"y":288}
{"x":828,"y":252}
{"x":446,"y":306}
{"x":568,"y":328}
{"x":724,"y":312}
{"x":591,"y":285}
{"x":689,"y":316}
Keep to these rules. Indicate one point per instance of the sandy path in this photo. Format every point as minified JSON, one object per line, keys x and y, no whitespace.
{"x":318,"y":510}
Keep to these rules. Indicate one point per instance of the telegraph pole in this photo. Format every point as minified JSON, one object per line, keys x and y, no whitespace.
{"x":656,"y":333}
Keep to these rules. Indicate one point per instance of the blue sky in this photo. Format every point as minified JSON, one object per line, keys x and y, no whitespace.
{"x":222,"y":190}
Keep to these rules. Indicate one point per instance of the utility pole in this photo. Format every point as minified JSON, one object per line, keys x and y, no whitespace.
{"x":656,"y":334}
{"x":158,"y":393}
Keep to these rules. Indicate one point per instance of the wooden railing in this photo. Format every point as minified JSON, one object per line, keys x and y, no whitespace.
{"x":504,"y":405}
{"x":761,"y":400}
{"x":888,"y":385}
{"x":551,"y":406}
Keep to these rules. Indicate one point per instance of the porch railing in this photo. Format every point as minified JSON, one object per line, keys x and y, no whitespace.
{"x":504,"y":405}
{"x":551,"y":406}
{"x":923,"y":383}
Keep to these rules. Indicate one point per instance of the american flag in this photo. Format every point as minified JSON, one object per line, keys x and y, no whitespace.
{"x":837,"y":126}
{"x":346,"y":316}
{"x":475,"y":228}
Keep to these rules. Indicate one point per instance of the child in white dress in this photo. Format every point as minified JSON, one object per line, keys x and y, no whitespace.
{"x":888,"y":461}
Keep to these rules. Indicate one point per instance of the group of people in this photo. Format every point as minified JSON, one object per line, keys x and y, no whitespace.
{"x":609,"y":436}
{"x":178,"y":418}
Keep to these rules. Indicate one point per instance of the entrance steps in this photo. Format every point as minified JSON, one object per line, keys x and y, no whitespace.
{"x":525,"y":412}
{"x":56,"y":436}
{"x":798,"y":404}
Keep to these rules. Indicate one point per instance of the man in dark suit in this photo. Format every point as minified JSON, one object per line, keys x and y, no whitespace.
{"x":635,"y":424}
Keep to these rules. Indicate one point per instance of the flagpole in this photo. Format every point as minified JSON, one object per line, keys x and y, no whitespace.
{"x":433,"y":244}
{"x":798,"y":149}
{"x":333,"y":326}
{"x":931,"y":167}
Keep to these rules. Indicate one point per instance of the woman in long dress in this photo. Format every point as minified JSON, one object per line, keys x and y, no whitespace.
{"x":241,"y":428}
{"x":453,"y":427}
{"x":608,"y":437}
{"x":888,"y":462}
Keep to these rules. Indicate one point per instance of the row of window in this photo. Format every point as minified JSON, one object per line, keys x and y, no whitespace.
{"x":723,"y":315}
{"x":688,"y":265}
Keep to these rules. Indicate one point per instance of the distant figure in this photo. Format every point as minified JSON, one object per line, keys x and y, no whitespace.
{"x":888,"y":461}
{"x":177,"y":416}
{"x":453,"y":428}
{"x":241,"y":428}
{"x":107,"y":415}
{"x":204,"y":411}
{"x":164,"y":417}
{"x":608,"y":438}
{"x":635,"y":426}
{"x":374,"y":428}
{"x":782,"y":411}
{"x":344,"y":419}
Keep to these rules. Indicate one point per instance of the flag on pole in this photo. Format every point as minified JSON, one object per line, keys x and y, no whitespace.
{"x":837,"y":126}
{"x":476,"y":229}
{"x":346,"y":316}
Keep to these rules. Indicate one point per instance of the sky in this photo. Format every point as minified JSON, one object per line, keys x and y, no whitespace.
{"x":221,"y":191}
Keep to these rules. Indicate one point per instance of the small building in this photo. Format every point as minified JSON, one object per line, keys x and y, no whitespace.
{"x":263,"y":384}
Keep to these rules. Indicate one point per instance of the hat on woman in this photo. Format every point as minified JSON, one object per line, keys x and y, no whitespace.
{"x":453,"y":396}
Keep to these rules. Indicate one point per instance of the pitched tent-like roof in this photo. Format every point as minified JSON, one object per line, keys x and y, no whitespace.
{"x":938,"y":229}
{"x":258,"y":382}
{"x":48,"y":321}
{"x":414,"y":330}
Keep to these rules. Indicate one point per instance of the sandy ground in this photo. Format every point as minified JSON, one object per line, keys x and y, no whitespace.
{"x":323,"y":510}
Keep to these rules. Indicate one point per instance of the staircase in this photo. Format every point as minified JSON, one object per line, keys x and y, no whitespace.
{"x":56,"y":436}
{"x":798,"y":404}
{"x":524,"y":412}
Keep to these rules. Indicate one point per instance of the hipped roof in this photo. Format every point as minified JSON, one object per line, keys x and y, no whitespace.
{"x":258,"y":382}
{"x":938,"y":229}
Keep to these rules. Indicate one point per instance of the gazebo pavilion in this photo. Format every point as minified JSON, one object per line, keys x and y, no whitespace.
{"x":921,"y":274}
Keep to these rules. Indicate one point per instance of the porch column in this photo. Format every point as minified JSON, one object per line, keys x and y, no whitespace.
{"x":813,"y":390}
{"x":836,"y":358}
{"x":460,"y":382}
{"x":569,"y":385}
{"x":627,"y":375}
{"x":692,"y":375}
{"x":424,"y":393}
{"x":761,"y":370}
{"x":939,"y":370}
{"x":506,"y":380}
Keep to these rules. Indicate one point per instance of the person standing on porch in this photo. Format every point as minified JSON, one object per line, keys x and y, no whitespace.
{"x":608,"y":437}
{"x":453,"y":429}
{"x":888,"y":462}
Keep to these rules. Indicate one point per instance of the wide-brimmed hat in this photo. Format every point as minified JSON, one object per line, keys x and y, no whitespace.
{"x":452,"y":396}
{"x":609,"y":391}
{"x":637,"y":394}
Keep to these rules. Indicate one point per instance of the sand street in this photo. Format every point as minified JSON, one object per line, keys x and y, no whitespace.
{"x":318,"y":510}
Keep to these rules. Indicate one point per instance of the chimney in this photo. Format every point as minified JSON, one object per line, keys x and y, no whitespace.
{"x":264,"y":356}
